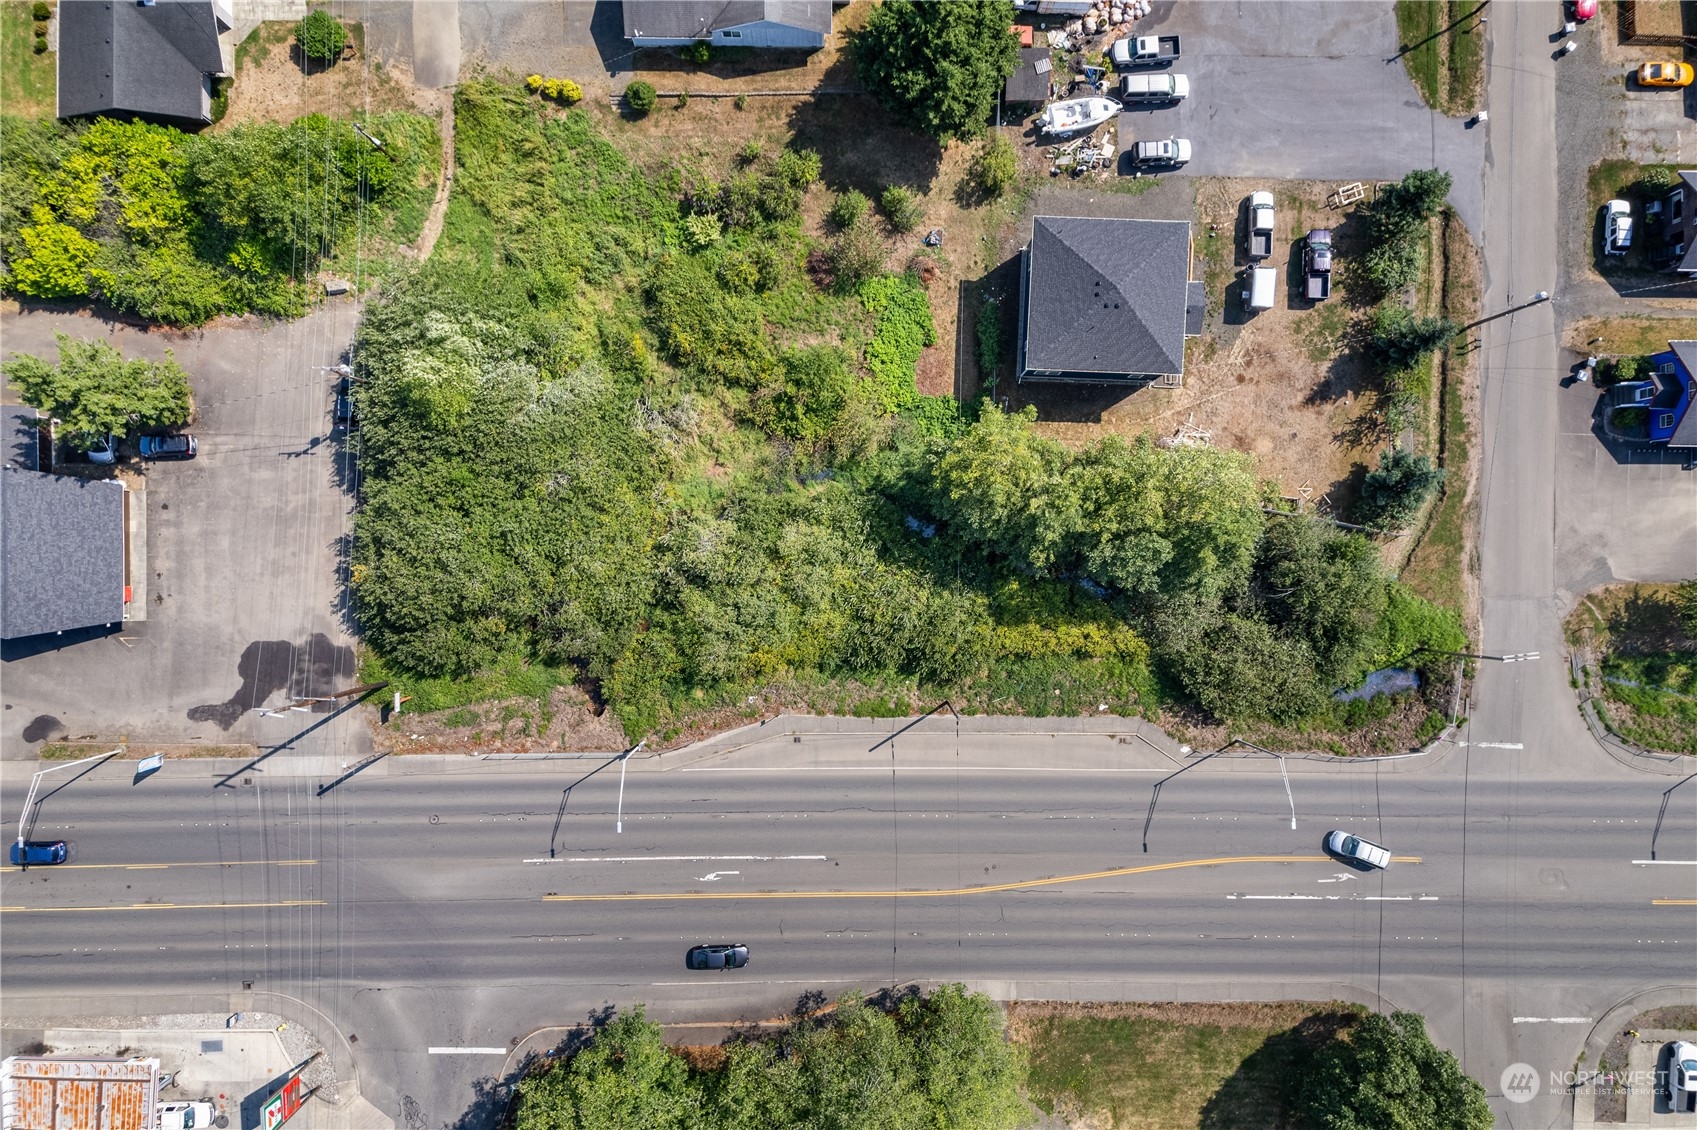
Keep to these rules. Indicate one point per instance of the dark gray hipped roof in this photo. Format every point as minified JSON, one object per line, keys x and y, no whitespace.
{"x":22,"y":437}
{"x":1685,"y":435}
{"x":61,"y":553}
{"x":1688,"y":261}
{"x":698,"y":19}
{"x":1029,"y":83}
{"x":1195,"y":307}
{"x":120,"y":57}
{"x":1107,"y":296}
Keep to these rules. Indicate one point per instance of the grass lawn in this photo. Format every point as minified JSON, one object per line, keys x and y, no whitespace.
{"x":1170,"y":1066}
{"x":1629,"y":337}
{"x":27,"y":80}
{"x":1443,"y":47}
{"x":1648,"y":676}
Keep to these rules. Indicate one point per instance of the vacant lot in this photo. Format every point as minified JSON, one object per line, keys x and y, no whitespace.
{"x":1170,"y":1066}
{"x":1627,"y":337}
{"x":272,"y":86}
{"x":1640,"y":663}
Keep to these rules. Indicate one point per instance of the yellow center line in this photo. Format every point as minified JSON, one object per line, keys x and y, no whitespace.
{"x":1021,"y":885}
{"x":162,"y":866}
{"x":1673,"y":902}
{"x":159,"y":906}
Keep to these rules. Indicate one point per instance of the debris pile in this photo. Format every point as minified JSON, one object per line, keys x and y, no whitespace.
{"x":1109,"y":17}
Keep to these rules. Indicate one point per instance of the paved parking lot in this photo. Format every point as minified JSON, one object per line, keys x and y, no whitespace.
{"x":1305,"y":91}
{"x":245,"y":548}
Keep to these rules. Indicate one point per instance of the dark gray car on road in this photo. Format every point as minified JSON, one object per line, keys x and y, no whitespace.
{"x":716,"y":957}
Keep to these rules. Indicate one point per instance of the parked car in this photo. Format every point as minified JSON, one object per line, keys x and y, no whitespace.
{"x":1617,"y":227}
{"x":1317,"y":264}
{"x":1579,"y":11}
{"x":1173,"y":152}
{"x":1144,"y":51}
{"x":187,"y":1116}
{"x":103,"y":450}
{"x":1154,"y":88}
{"x":1358,"y":850}
{"x":1682,"y":1076}
{"x":1258,"y":240}
{"x":1260,"y":288}
{"x":716,"y":957}
{"x":168,"y":447}
{"x":345,"y":403}
{"x":40,"y":852}
{"x":1664,"y":74}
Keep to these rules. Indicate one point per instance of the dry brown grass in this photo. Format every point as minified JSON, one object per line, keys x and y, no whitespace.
{"x":272,"y":86}
{"x":1624,"y":337}
{"x":1629,"y":619}
{"x":71,"y":751}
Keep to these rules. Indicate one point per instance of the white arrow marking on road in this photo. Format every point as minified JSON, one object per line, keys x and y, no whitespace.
{"x":712,"y":876}
{"x":1337,"y":877}
{"x":1552,"y":1020}
{"x":468,"y":1051}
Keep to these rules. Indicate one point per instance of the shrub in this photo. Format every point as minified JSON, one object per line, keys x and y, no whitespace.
{"x":995,"y":167}
{"x":640,"y":96}
{"x":41,"y":45}
{"x":1391,"y":497}
{"x":989,"y":327}
{"x":742,"y":102}
{"x":750,"y":152}
{"x":683,"y":99}
{"x":39,"y":10}
{"x":1397,"y":339}
{"x":702,"y":231}
{"x":534,"y":82}
{"x":700,"y":53}
{"x":321,"y":36}
{"x":1657,"y":179}
{"x":901,"y":208}
{"x":847,"y":209}
{"x":856,"y":254}
{"x":1685,"y":598}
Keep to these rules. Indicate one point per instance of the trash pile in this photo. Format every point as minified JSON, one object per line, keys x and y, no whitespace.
{"x":1107,"y":17}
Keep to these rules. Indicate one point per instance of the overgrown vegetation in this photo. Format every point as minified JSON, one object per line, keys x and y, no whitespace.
{"x":1443,"y":49}
{"x":93,"y":392}
{"x":1642,"y":639}
{"x":938,"y":67}
{"x":181,"y":228}
{"x":935,"y":1060}
{"x":1389,"y":1074}
{"x":689,"y":460}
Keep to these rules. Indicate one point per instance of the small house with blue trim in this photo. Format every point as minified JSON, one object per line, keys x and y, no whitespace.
{"x":1665,"y":396}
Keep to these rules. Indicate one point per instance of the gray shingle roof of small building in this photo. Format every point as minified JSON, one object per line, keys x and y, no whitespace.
{"x":697,"y":19}
{"x":1029,"y":83}
{"x":120,"y":57}
{"x":1685,"y":435}
{"x":61,"y":553}
{"x":1107,"y":296}
{"x":1688,"y":261}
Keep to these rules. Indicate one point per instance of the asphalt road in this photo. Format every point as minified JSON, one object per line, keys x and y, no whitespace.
{"x":465,"y":909}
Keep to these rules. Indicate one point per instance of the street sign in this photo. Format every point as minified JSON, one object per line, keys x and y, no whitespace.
{"x":150,"y":764}
{"x":281,"y":1107}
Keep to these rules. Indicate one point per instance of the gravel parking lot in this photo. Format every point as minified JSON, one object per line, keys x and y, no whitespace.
{"x":245,"y":547}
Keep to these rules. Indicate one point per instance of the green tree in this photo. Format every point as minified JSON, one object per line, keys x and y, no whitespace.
{"x":321,"y":36}
{"x":640,"y":96}
{"x":1398,"y":338}
{"x":1388,"y":1075}
{"x":901,"y":207}
{"x":1325,"y":587}
{"x":1240,"y":670}
{"x":1420,"y":195}
{"x":626,"y":1079}
{"x":1006,"y":488}
{"x":938,"y":67}
{"x":1391,"y":497}
{"x":968,"y":1071}
{"x":994,"y":167}
{"x":1685,"y":599}
{"x":94,"y":392}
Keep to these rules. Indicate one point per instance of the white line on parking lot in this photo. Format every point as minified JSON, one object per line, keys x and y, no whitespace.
{"x":1552,"y":1020}
{"x":677,"y":858}
{"x":468,"y":1051}
{"x":1666,"y":862}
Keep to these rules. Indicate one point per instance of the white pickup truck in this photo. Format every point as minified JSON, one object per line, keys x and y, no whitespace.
{"x":1144,"y":51}
{"x":1154,"y":88}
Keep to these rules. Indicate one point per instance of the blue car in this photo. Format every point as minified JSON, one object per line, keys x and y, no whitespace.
{"x":40,"y":852}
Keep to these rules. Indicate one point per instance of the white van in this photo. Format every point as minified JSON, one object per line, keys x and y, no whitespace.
{"x":1262,"y":284}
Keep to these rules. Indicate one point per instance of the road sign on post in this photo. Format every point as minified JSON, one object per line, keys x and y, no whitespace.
{"x":282,"y":1106}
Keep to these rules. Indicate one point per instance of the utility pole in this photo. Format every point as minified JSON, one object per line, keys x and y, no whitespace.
{"x":35,"y":784}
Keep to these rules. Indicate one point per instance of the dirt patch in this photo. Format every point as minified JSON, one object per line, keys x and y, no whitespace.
{"x":271,"y":85}
{"x":71,"y":751}
{"x":567,"y":720}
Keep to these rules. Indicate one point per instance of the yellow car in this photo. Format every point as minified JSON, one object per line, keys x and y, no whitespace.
{"x":1664,"y":74}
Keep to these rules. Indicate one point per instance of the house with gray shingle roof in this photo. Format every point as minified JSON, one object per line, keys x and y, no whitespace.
{"x":154,"y":61}
{"x":62,"y":563}
{"x":798,"y":24}
{"x":1679,"y":214}
{"x":1107,"y":301}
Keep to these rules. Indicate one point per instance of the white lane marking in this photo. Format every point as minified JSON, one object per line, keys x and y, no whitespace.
{"x":1335,"y":898}
{"x":713,"y":876}
{"x":1552,"y":1020}
{"x":905,"y":769}
{"x":677,"y":858}
{"x":1666,"y":862}
{"x":1337,"y":877}
{"x":1287,"y":898}
{"x":468,"y":1051}
{"x":1493,"y":745}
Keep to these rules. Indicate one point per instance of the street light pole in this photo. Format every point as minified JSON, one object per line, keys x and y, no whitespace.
{"x":35,"y":784}
{"x":619,"y":820}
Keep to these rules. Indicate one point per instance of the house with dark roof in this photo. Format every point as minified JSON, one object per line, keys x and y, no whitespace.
{"x":1665,"y":397}
{"x":799,"y":24}
{"x":150,"y":60}
{"x":1107,"y":301}
{"x":1030,"y":82}
{"x":1679,"y":225}
{"x":21,"y":428}
{"x":62,"y":559}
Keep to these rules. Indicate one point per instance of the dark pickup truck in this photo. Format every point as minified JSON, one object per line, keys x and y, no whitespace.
{"x":1317,"y":264}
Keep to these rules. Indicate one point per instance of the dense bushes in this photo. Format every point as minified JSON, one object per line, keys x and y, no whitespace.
{"x":1397,"y":227}
{"x":182,"y":228}
{"x":640,"y":96}
{"x":1392,"y":495}
{"x":936,"y":1060}
{"x":321,"y":36}
{"x":938,"y":67}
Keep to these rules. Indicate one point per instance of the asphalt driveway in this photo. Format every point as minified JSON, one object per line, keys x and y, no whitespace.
{"x":1305,"y":91}
{"x":245,"y":544}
